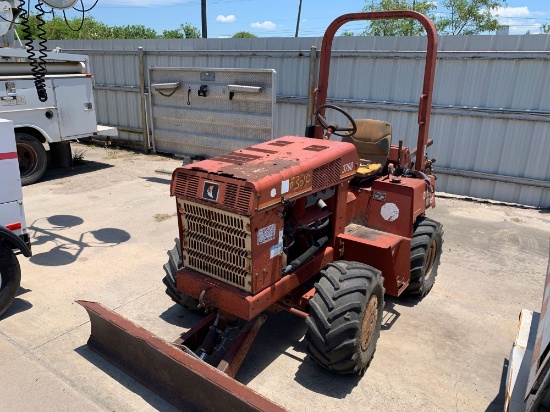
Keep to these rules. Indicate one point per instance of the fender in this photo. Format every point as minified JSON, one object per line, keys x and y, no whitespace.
{"x":15,"y":241}
{"x":35,"y":127}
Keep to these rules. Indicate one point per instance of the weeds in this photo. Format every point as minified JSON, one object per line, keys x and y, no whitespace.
{"x":78,"y":157}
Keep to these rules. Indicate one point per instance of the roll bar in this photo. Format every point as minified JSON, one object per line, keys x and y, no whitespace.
{"x":425,"y":102}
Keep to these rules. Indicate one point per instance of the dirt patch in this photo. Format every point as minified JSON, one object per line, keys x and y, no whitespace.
{"x":161,"y":217}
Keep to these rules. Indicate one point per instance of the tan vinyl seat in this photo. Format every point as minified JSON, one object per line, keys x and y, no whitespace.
{"x":372,"y":141}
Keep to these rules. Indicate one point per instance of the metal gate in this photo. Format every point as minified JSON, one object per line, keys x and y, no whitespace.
{"x":209,"y":112}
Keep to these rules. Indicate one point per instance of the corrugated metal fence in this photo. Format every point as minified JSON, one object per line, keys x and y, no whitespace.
{"x":491,"y":111}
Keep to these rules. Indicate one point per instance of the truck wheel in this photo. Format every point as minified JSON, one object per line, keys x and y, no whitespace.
{"x":32,"y":156}
{"x":426,"y":248}
{"x":171,"y":267}
{"x":10,"y":277}
{"x":345,"y":317}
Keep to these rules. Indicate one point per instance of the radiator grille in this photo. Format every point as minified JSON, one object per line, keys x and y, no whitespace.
{"x":326,"y":175}
{"x":186,"y":185}
{"x":217,"y":243}
{"x":236,"y":197}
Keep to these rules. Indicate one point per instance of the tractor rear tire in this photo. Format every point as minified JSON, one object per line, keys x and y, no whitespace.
{"x":426,"y":248}
{"x":171,"y":267}
{"x":32,"y":157}
{"x":10,"y":277}
{"x":345,"y":317}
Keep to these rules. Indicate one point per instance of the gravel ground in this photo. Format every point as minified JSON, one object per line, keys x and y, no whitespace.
{"x":101,"y":230}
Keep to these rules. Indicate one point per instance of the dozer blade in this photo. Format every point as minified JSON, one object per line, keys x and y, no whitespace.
{"x":187,"y":383}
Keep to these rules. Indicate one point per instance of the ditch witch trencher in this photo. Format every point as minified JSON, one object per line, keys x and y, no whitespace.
{"x":317,"y":227}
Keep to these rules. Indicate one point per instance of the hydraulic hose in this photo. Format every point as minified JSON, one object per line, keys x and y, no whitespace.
{"x":306,"y":255}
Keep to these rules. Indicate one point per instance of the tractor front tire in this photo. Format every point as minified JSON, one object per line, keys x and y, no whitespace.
{"x":345,"y":317}
{"x":32,"y":157}
{"x":171,"y":267}
{"x":426,"y":248}
{"x":10,"y":277}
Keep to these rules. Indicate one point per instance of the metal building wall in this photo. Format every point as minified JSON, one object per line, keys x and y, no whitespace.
{"x":491,"y":107}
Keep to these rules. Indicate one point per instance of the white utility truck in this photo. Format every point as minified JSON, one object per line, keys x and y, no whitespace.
{"x":14,"y":238}
{"x":62,"y":111}
{"x":68,"y":114}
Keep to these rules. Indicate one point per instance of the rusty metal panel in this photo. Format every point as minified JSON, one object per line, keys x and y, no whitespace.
{"x":209,"y":112}
{"x":386,"y":252}
{"x":240,"y":303}
{"x":187,"y":382}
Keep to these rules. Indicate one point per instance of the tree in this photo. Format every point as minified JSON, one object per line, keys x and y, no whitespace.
{"x":347,"y":33}
{"x":401,"y":27}
{"x":244,"y":35}
{"x":469,"y":16}
{"x":133,"y":32}
{"x":453,"y":17}
{"x":173,"y":34}
{"x":190,"y":31}
{"x":57,"y":29}
{"x":545,"y":28}
{"x":185,"y":31}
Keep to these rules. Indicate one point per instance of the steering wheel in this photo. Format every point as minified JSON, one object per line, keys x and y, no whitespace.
{"x":334,"y":127}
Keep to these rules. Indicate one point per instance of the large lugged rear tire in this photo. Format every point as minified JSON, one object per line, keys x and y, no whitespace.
{"x":32,"y":156}
{"x":171,"y":267}
{"x":10,"y":277}
{"x":345,"y":317}
{"x":426,"y":248}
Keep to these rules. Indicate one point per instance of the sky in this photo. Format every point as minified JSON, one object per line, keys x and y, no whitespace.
{"x":269,"y":18}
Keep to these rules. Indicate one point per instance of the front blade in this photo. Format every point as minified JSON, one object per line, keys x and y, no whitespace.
{"x":186,"y":382}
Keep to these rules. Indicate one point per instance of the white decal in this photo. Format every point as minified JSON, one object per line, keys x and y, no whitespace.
{"x":276,"y":250}
{"x":390,"y":212}
{"x":281,"y":236}
{"x":285,"y":186}
{"x":8,"y":101}
{"x":348,"y":167}
{"x":273,"y":192}
{"x":266,"y":234}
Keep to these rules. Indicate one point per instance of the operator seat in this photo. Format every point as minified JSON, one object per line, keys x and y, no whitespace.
{"x":372,"y":141}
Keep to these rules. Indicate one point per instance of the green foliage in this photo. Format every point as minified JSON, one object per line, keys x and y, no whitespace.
{"x":244,"y":35}
{"x":57,"y":29}
{"x":453,"y":17}
{"x":190,"y":31}
{"x":401,"y":27}
{"x":347,"y":33}
{"x":78,"y":157}
{"x":469,"y":16}
{"x":185,"y":31}
{"x":173,"y":34}
{"x":545,"y":28}
{"x":133,"y":32}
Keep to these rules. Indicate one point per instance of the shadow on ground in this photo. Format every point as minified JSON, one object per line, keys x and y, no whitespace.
{"x":497,"y":404}
{"x":160,"y":180}
{"x":125,"y":380}
{"x":88,"y":166}
{"x":283,"y":331}
{"x":180,"y":316}
{"x":66,"y":250}
{"x":17,"y":306}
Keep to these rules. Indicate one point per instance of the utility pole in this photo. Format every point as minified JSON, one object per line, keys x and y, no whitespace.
{"x":203,"y":14}
{"x":298,"y":20}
